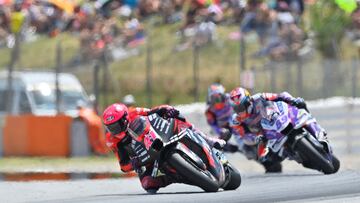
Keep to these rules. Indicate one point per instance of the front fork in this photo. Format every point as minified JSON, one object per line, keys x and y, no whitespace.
{"x":319,"y":134}
{"x":226,"y":166}
{"x":316,"y":143}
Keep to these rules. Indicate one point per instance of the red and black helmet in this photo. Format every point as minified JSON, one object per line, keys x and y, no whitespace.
{"x":116,"y":119}
{"x":216,"y":96}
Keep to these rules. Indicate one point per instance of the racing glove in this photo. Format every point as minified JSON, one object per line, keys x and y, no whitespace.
{"x":225,"y":134}
{"x":166,"y":111}
{"x":172,"y":113}
{"x":299,"y":103}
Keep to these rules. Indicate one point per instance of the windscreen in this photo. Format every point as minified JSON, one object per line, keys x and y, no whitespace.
{"x":45,"y":98}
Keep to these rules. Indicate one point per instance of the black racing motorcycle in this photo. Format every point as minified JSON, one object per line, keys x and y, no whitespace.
{"x":180,"y":152}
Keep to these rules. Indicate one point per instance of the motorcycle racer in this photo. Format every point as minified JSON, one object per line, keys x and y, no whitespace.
{"x":117,"y":118}
{"x":249,"y":113}
{"x":218,"y":114}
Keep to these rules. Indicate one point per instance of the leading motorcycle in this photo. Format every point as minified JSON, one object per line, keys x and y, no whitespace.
{"x":180,"y":152}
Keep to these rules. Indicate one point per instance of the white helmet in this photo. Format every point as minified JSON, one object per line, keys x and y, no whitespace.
{"x":129,"y":100}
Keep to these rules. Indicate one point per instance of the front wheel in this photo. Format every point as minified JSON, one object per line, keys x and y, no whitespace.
{"x":192,"y":174}
{"x":234,"y":178}
{"x":336,"y":163}
{"x":314,"y":159}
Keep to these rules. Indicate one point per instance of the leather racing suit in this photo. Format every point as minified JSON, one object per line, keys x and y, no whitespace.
{"x":133,"y":156}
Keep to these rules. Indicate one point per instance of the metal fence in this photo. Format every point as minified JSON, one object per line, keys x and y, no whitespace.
{"x":310,"y":79}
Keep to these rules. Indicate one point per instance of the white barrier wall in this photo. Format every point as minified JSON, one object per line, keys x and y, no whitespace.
{"x":79,"y":141}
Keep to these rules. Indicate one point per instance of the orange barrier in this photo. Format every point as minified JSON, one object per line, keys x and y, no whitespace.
{"x":36,"y":176}
{"x":96,"y":133}
{"x":29,"y":135}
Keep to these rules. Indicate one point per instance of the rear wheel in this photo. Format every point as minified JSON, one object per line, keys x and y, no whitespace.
{"x":315,"y":159}
{"x":193,"y":174}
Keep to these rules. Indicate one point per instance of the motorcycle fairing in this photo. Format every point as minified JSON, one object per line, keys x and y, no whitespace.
{"x":198,"y":146}
{"x":277,"y":119}
{"x":138,"y":128}
{"x":194,"y":158}
{"x":303,"y":118}
{"x":165,"y":128}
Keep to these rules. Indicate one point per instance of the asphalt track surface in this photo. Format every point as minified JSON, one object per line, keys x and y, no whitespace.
{"x":300,"y":185}
{"x":295,"y":184}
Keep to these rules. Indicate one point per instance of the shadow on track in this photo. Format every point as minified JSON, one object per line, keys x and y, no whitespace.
{"x":146,"y":194}
{"x":283,"y":175}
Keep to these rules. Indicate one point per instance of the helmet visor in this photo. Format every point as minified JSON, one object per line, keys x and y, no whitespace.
{"x":217,"y":99}
{"x":118,"y":127}
{"x":239,"y":108}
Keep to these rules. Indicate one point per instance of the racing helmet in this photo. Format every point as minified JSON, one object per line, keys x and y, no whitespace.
{"x":216,"y":96}
{"x":129,"y":100}
{"x":116,"y":119}
{"x":240,"y":100}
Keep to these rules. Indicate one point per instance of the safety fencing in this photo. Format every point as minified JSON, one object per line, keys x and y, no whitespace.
{"x":342,"y":124}
{"x":309,"y":79}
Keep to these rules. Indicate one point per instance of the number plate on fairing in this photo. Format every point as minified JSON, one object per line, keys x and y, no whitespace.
{"x":149,"y":139}
{"x":278,"y":120}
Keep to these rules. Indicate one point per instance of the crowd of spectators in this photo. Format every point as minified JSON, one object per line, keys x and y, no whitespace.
{"x":98,"y":24}
{"x":118,"y":23}
{"x":277,"y":27}
{"x":355,"y":16}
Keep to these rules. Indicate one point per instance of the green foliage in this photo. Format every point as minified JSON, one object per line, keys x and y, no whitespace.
{"x":328,"y":22}
{"x":41,"y":53}
{"x":172,"y":72}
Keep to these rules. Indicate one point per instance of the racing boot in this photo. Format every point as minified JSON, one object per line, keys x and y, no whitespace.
{"x":270,"y":160}
{"x":272,"y":167}
{"x":152,"y":185}
{"x":249,"y":151}
{"x":263,"y":152}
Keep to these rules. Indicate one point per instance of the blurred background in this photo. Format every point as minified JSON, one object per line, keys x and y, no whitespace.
{"x":63,"y":61}
{"x":169,"y":51}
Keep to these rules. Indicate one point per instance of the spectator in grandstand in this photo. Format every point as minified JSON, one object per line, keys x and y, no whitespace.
{"x":257,"y":18}
{"x":4,"y":25}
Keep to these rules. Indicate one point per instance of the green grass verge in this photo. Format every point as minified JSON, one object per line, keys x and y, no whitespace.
{"x":41,"y":54}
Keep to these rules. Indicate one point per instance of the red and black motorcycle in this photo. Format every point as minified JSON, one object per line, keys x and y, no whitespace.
{"x":179,"y":151}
